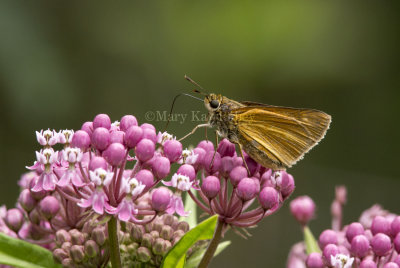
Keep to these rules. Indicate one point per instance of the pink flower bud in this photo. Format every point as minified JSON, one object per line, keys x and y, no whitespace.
{"x":88,"y":128}
{"x":368,"y":264}
{"x":247,"y":189}
{"x":206,"y":145}
{"x":115,"y":154}
{"x":237,"y":174}
{"x":286,"y":184}
{"x":226,"y":165}
{"x":360,"y":246}
{"x":127,"y":121}
{"x":211,"y":186}
{"x":302,"y":208}
{"x":314,"y":260}
{"x":161,"y":167}
{"x":102,"y":120}
{"x":381,"y":244}
{"x":145,"y":150}
{"x":391,"y":265}
{"x":187,"y":170}
{"x":26,"y":200}
{"x":160,"y":199}
{"x":330,"y":250}
{"x":327,"y":237}
{"x":149,"y":134}
{"x":353,"y":230}
{"x":396,"y":243}
{"x":49,"y":206}
{"x":81,"y":139}
{"x":145,"y":177}
{"x":14,"y":219}
{"x":200,"y":152}
{"x":97,"y":162}
{"x":226,"y":148}
{"x":101,"y":138}
{"x":117,"y":137}
{"x":269,"y":198}
{"x":397,"y":260}
{"x":395,"y":226}
{"x":251,"y":164}
{"x":381,"y":225}
{"x":172,"y":150}
{"x":133,"y":135}
{"x":208,"y":159}
{"x":147,"y":126}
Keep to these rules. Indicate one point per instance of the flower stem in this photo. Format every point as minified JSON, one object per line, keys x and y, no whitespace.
{"x":212,"y":247}
{"x":114,"y":244}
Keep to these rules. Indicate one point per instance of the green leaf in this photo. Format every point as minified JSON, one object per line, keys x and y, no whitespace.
{"x":191,"y":206}
{"x":309,"y":240}
{"x":177,"y":255}
{"x":195,"y":259}
{"x":18,"y":253}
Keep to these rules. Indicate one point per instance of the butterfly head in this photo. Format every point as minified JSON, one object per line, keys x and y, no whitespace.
{"x":212,"y":102}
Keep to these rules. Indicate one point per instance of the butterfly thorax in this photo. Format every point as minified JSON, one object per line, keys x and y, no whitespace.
{"x":222,"y":119}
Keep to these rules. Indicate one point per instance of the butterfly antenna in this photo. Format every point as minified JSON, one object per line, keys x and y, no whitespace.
{"x":173,"y":103}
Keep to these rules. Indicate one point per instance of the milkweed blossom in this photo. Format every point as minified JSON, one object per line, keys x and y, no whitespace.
{"x":82,"y":180}
{"x":371,"y":242}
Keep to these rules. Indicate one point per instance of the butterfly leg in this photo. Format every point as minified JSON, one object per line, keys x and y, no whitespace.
{"x":244,"y":161}
{"x":194,"y":130}
{"x":215,"y":152}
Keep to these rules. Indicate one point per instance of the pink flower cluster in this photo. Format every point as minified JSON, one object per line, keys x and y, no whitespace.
{"x":123,"y":170}
{"x":372,"y":242}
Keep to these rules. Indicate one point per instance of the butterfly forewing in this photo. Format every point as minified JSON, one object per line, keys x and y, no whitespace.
{"x":283,"y":134}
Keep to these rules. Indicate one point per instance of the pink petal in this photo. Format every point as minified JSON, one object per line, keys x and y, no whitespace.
{"x":64,"y":180}
{"x":76,"y":179}
{"x":167,"y":183}
{"x":85,"y":203}
{"x":98,"y":203}
{"x":180,"y":209}
{"x":49,"y":180}
{"x":124,"y":211}
{"x":38,"y":186}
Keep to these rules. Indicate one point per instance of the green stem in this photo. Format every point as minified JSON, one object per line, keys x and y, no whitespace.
{"x":114,"y":245}
{"x":212,"y":247}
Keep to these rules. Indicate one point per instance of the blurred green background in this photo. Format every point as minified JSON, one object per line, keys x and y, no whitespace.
{"x":62,"y":62}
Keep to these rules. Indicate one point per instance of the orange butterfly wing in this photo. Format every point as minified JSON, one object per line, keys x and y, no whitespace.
{"x":282,"y":134}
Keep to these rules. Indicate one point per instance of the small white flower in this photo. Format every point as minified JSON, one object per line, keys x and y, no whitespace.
{"x":72,"y":155}
{"x":181,"y":182}
{"x":115,"y":124}
{"x":65,"y":136}
{"x":47,"y":156}
{"x":136,"y":187}
{"x":188,"y":157}
{"x":341,"y":261}
{"x":101,"y":177}
{"x":47,"y":137}
{"x":163,"y":137}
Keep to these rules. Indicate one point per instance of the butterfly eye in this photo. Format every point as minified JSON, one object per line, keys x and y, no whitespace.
{"x":214,"y":104}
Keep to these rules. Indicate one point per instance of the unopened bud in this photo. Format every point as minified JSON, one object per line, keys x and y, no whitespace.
{"x":77,"y":253}
{"x":59,"y":255}
{"x":77,"y":237}
{"x":62,"y":236}
{"x":99,"y":236}
{"x":159,"y":246}
{"x":183,"y":225}
{"x":166,"y":232}
{"x":137,"y":232}
{"x":91,"y":249}
{"x":143,"y":254}
{"x":147,"y":240}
